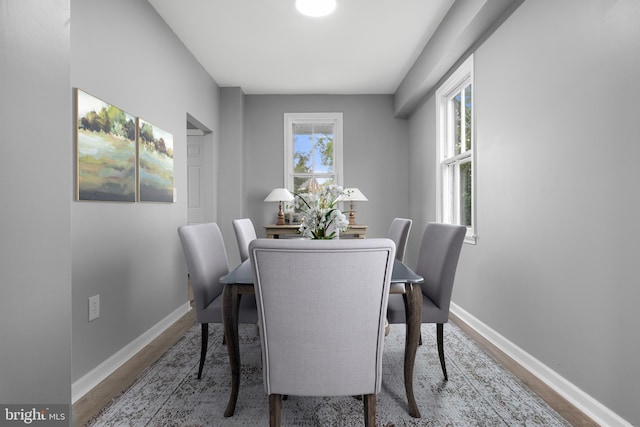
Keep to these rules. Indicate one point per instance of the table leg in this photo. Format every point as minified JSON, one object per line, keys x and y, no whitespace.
{"x":231,"y":300}
{"x":413,"y":311}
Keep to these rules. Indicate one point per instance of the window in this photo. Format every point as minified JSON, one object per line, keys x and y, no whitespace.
{"x":455,"y":150}
{"x":312,"y":150}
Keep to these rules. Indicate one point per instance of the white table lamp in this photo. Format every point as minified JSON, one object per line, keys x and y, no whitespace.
{"x":279,"y":195}
{"x":353,"y":195}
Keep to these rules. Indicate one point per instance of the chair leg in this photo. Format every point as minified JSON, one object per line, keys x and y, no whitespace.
{"x":275,"y":410}
{"x":369,"y":410}
{"x":203,"y":349}
{"x":406,"y":310}
{"x":440,"y":333}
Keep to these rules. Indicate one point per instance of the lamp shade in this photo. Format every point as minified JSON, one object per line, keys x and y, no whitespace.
{"x":354,"y":195}
{"x":279,"y":195}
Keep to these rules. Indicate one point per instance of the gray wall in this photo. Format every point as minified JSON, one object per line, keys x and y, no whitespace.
{"x":375,"y":151}
{"x":555,"y":267}
{"x":124,"y":53}
{"x":231,"y":171}
{"x":35,"y":171}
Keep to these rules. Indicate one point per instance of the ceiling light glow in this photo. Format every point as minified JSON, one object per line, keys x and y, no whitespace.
{"x":316,"y":8}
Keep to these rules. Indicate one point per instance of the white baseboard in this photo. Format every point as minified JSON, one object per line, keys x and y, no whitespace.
{"x":84,"y":384}
{"x":581,"y":400}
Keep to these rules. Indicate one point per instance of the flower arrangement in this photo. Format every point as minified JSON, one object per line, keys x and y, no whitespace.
{"x":321,"y":218}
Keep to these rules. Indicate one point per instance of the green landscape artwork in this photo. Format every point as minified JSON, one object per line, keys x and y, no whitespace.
{"x":106,"y":151}
{"x":155,"y":148}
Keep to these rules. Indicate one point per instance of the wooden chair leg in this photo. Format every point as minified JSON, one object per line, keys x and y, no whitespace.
{"x":275,"y":410}
{"x":369,"y":410}
{"x":440,"y":333}
{"x":406,"y":310}
{"x":203,"y":349}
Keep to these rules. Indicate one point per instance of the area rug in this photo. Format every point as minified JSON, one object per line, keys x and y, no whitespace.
{"x":479,"y":391}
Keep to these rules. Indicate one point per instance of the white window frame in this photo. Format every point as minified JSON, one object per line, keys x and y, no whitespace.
{"x":448,"y":162}
{"x":292,"y":118}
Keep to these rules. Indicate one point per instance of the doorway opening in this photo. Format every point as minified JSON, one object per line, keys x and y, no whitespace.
{"x":200,"y":172}
{"x":201,"y":183}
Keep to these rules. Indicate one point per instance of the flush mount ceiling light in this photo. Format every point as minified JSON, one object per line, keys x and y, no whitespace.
{"x":316,"y":8}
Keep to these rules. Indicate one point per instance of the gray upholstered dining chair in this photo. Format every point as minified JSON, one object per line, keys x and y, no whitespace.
{"x":399,"y":233}
{"x":245,"y":233}
{"x":437,"y":262}
{"x":321,"y":306}
{"x":207,"y":262}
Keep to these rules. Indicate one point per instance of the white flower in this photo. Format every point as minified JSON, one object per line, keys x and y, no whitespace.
{"x":320,"y":213}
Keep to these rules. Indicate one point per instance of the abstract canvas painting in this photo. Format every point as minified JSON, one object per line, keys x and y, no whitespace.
{"x":155,"y":148}
{"x":105,"y":151}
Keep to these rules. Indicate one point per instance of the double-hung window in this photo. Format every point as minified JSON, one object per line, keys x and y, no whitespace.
{"x":455,"y":150}
{"x":312,"y":150}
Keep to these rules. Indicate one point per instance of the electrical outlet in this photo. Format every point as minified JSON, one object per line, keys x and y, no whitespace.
{"x":94,"y":307}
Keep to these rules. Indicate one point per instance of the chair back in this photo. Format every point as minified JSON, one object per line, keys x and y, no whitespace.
{"x":438,"y":260}
{"x":322,"y":307}
{"x":206,"y":258}
{"x":245,"y":233}
{"x":399,"y":233}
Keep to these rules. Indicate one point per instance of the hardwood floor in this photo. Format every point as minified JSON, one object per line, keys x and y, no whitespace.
{"x":91,"y":404}
{"x":553,"y":399}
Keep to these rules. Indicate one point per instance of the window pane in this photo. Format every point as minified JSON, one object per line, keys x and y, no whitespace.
{"x":448,"y":199}
{"x":465,"y":194}
{"x":302,"y":146}
{"x":301,"y":184}
{"x":324,"y":181}
{"x":467,"y":118}
{"x":310,"y":183}
{"x":457,"y":122}
{"x":323,"y":152}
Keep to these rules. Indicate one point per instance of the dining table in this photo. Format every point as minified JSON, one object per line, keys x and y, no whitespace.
{"x":403,"y":281}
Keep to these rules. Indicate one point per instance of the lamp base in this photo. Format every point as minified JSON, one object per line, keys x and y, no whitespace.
{"x":280,"y":215}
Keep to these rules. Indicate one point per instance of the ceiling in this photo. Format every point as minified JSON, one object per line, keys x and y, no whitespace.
{"x":267,"y":47}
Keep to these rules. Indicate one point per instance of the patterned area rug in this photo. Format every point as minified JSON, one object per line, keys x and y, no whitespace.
{"x":479,"y":392}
